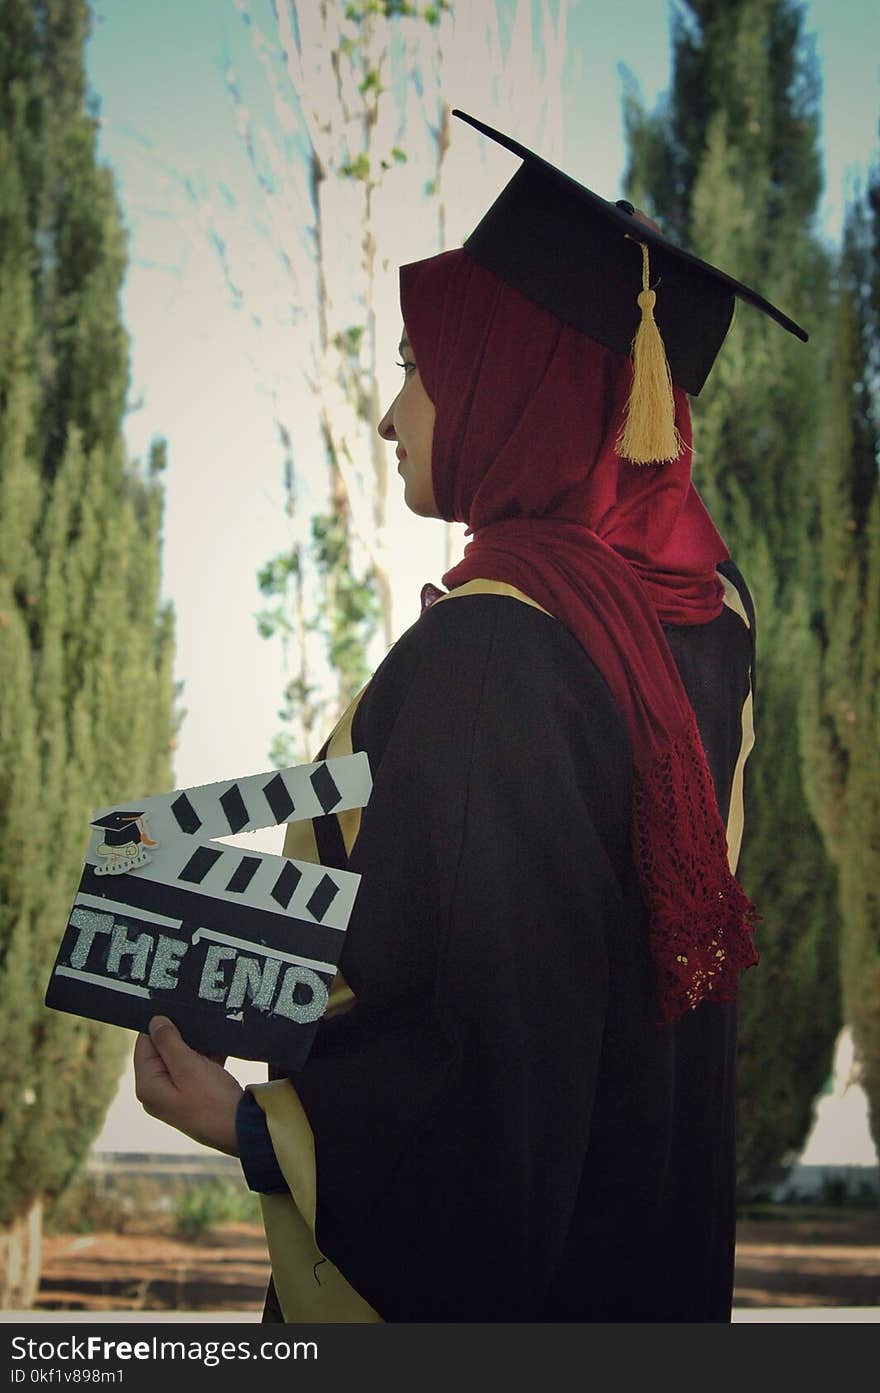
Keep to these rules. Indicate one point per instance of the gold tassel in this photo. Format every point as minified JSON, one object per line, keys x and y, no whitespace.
{"x":649,"y":433}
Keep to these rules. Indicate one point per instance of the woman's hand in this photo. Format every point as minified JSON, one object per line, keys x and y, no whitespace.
{"x":188,"y":1090}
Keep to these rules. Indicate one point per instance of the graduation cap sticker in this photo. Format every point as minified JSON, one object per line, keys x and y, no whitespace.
{"x":609,"y":273}
{"x":238,"y":947}
{"x":125,"y":842}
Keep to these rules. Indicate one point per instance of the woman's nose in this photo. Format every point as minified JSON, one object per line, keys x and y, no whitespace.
{"x":386,"y":426}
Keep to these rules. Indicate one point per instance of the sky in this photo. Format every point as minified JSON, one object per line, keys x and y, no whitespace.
{"x":202,"y":374}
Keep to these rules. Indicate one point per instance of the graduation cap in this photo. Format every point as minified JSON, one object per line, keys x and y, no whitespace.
{"x":599,"y":267}
{"x":119,"y":828}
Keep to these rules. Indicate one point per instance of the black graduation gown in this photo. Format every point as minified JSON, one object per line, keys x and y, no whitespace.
{"x":503,"y":1130}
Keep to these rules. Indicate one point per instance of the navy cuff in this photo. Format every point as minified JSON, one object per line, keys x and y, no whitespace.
{"x":255,"y":1151}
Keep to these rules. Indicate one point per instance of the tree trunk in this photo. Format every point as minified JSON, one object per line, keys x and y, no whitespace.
{"x":20,"y":1247}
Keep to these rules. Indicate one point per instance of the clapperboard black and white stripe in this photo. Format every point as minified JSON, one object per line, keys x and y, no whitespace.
{"x":238,"y":947}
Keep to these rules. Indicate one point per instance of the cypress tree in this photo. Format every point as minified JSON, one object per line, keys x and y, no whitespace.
{"x":729,"y":165}
{"x":841,"y":715}
{"x":86,"y":690}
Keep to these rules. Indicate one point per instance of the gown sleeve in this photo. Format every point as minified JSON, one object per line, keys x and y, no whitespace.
{"x":255,"y":1150}
{"x":450,"y":1106}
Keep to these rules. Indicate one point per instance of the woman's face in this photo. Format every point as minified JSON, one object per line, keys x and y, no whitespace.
{"x":410,"y":421}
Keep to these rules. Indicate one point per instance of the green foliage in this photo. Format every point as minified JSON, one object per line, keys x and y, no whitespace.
{"x":745,"y":93}
{"x":282,"y":579}
{"x":146,"y":1202}
{"x":789,"y":1009}
{"x":283,"y":747}
{"x":393,"y":9}
{"x":371,"y":82}
{"x":848,"y":1192}
{"x":354,"y":615}
{"x":839,"y":1200}
{"x":201,"y":1207}
{"x":350,"y":341}
{"x":840,"y":721}
{"x":86,"y":688}
{"x":277,"y":579}
{"x":345,"y":616}
{"x":90,"y":1205}
{"x":728,"y":164}
{"x":358,"y":168}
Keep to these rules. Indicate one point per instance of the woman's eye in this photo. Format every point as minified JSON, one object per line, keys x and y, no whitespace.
{"x":406,"y":365}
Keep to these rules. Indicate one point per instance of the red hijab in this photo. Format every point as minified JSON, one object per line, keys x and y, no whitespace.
{"x":527,"y":413}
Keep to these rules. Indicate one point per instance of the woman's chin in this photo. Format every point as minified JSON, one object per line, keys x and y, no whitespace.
{"x":422,"y":507}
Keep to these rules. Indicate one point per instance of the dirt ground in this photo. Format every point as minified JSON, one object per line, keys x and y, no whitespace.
{"x":226,"y":1270}
{"x":832,"y":1259}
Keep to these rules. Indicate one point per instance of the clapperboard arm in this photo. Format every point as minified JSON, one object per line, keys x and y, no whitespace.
{"x":238,"y":947}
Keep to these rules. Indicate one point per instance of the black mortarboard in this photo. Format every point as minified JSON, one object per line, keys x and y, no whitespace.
{"x":581,"y":257}
{"x":119,"y":828}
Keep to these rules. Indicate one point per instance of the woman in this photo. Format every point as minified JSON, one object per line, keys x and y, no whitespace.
{"x":520,"y":1104}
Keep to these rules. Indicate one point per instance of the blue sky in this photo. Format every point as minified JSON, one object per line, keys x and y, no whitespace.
{"x":199,"y":373}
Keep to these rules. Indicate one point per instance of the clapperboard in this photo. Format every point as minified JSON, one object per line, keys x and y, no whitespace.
{"x":238,"y":947}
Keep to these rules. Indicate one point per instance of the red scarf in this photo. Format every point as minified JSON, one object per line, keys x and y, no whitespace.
{"x":527,"y":413}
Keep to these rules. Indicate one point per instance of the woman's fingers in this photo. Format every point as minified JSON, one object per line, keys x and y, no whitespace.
{"x":150,"y":1072}
{"x":188,"y":1090}
{"x":176,"y":1055}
